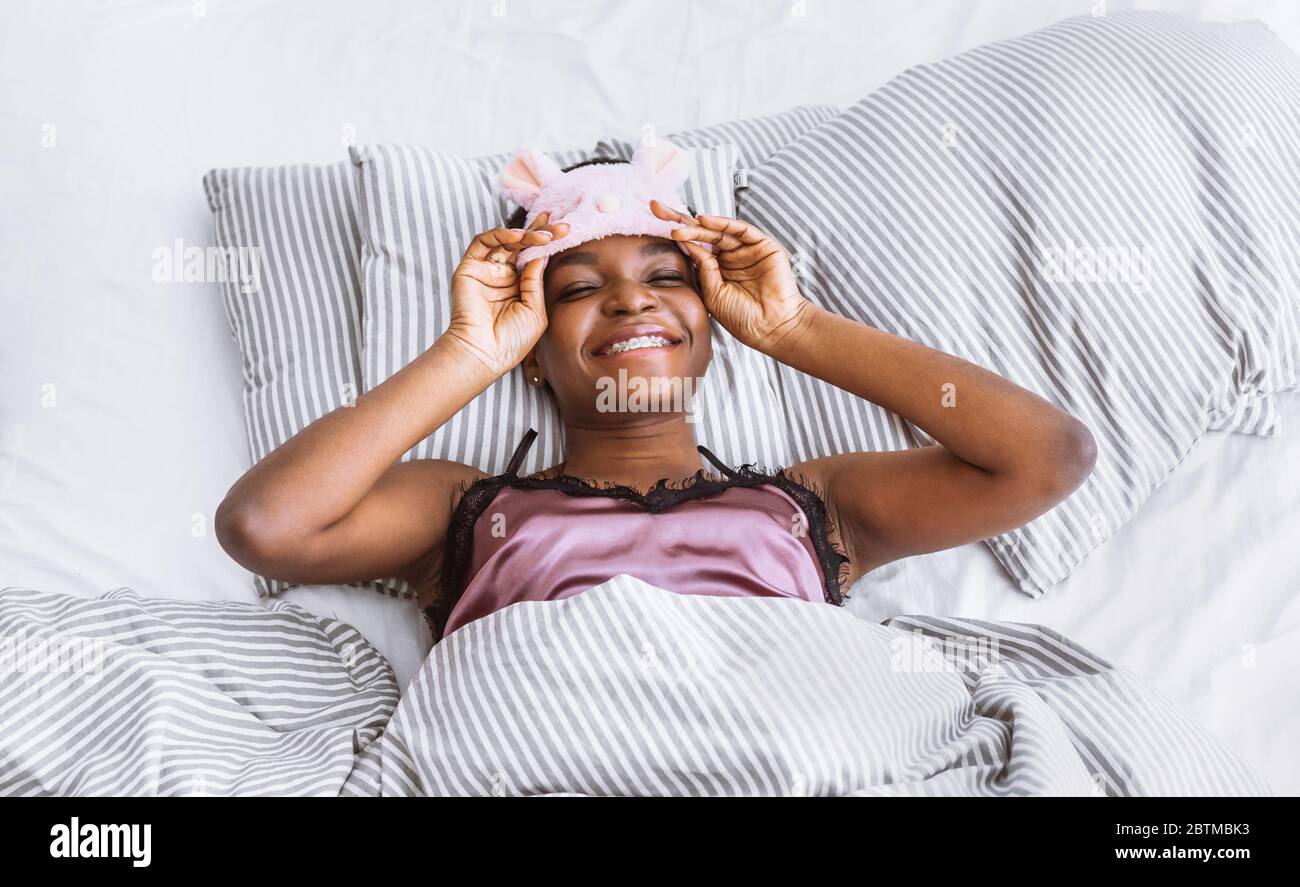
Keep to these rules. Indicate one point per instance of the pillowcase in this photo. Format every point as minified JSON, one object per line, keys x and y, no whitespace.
{"x":420,"y":210}
{"x":1106,"y":212}
{"x":755,"y":138}
{"x":297,"y":320}
{"x":299,"y":334}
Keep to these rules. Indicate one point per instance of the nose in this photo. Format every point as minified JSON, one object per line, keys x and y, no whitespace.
{"x":631,"y":297}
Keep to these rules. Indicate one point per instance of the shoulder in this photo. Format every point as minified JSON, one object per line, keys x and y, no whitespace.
{"x":435,"y":488}
{"x":442,"y":479}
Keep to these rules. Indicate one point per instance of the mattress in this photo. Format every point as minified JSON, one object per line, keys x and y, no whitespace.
{"x":120,"y":419}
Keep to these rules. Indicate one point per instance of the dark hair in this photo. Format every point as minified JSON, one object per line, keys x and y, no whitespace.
{"x":520,"y":216}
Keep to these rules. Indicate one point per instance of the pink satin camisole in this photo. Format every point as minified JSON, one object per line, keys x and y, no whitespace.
{"x":518,"y":539}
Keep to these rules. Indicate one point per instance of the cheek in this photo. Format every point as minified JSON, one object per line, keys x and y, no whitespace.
{"x":566,"y":330}
{"x":695,"y":316}
{"x":704,"y":347}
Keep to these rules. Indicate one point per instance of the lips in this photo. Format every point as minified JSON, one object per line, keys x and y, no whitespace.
{"x":648,"y":333}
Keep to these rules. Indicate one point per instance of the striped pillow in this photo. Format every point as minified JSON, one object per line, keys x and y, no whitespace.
{"x":420,"y":209}
{"x":299,"y":328}
{"x":755,"y":138}
{"x":973,"y":203}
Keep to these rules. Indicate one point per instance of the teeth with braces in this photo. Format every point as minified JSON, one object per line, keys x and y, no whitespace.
{"x":638,"y":342}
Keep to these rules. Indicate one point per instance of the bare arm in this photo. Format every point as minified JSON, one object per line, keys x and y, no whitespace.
{"x":332,"y":504}
{"x":1003,"y":455}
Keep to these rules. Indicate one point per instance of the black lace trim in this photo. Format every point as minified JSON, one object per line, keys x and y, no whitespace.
{"x":476,"y":496}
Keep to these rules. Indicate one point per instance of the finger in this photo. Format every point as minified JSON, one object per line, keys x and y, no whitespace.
{"x":500,"y":278}
{"x":535,"y":237}
{"x":706,"y":266}
{"x":735,"y":227}
{"x":502,"y":255}
{"x":724,"y":241}
{"x":668,"y":214}
{"x":543,"y":223}
{"x":509,"y":239}
{"x":500,"y":260}
{"x":531,"y":290}
{"x":484,"y":243}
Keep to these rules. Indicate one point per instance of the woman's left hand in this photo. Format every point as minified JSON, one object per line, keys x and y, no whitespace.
{"x":746,"y":282}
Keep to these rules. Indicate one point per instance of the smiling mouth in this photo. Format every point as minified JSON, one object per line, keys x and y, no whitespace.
{"x":637,"y":344}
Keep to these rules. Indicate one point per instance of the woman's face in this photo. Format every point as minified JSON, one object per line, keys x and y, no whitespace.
{"x":609,"y":290}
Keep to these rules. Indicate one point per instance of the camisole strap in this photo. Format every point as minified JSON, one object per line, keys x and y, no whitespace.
{"x":520,"y":452}
{"x":717,"y":463}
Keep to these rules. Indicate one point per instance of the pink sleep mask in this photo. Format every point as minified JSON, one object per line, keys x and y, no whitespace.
{"x":598,"y":200}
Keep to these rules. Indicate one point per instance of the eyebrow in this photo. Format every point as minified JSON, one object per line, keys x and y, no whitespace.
{"x":571,"y":259}
{"x":656,"y":247}
{"x":653,"y":248}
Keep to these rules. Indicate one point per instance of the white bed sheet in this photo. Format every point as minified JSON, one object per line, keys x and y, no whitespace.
{"x":120,"y":423}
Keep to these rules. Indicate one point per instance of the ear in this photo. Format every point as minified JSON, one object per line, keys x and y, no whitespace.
{"x":527,"y":173}
{"x":664,"y":162}
{"x":532,"y":366}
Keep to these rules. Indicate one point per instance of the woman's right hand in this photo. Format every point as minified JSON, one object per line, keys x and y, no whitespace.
{"x":497,"y":312}
{"x":334,"y":503}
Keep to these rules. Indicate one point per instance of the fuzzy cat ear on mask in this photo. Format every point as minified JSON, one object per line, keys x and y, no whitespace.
{"x":527,"y":173}
{"x":665,"y":166}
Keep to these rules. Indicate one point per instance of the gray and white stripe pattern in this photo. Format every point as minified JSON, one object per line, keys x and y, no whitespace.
{"x":951,"y":207}
{"x":420,"y":210}
{"x":755,"y":138}
{"x":628,"y":689}
{"x":299,"y":333}
{"x":625,"y":689}
{"x":120,"y":695}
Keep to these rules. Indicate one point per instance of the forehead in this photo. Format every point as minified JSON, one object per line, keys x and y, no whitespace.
{"x":616,"y":248}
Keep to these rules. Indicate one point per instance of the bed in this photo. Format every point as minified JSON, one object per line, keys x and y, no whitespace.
{"x":120,"y":421}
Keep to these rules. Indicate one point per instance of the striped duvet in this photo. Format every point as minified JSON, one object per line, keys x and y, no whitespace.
{"x":626,"y":689}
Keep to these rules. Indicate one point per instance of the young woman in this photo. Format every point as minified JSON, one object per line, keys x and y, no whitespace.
{"x":633,"y":495}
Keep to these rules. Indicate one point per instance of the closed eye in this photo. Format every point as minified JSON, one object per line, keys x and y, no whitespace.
{"x":671,"y":277}
{"x":576,"y":291}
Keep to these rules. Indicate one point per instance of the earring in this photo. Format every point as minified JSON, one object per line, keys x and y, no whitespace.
{"x":536,"y":379}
